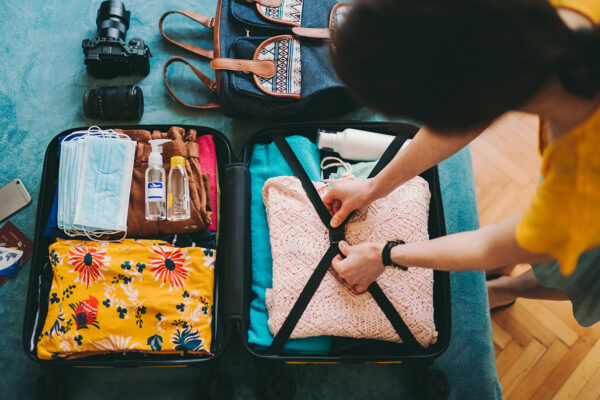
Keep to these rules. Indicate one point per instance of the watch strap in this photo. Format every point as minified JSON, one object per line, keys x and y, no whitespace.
{"x":386,"y":257}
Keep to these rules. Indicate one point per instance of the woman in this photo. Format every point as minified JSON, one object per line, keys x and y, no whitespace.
{"x":456,"y":66}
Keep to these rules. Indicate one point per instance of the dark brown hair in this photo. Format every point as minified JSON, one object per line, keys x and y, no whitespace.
{"x":454,"y":64}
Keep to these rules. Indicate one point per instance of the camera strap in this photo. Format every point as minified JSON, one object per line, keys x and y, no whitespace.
{"x":335,"y":236}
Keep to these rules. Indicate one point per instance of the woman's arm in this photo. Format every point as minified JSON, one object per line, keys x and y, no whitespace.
{"x":427,"y":149}
{"x":486,"y":248}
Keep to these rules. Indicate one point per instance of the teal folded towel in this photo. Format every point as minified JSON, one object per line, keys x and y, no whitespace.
{"x":267,"y":162}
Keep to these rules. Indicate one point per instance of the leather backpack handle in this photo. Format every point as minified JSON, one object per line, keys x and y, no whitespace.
{"x":267,"y":3}
{"x":209,"y":83}
{"x":208,"y":22}
{"x":262,"y":68}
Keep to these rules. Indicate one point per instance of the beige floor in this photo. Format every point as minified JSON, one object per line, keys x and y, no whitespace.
{"x":541,"y":352}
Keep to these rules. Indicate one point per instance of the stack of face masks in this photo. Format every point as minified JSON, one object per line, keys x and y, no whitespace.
{"x":94,"y":181}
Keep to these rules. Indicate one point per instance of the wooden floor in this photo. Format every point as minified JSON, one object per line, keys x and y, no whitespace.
{"x":541,"y":351}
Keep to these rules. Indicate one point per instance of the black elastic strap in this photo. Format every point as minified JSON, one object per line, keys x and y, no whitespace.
{"x":309,"y":188}
{"x":392,"y":315}
{"x":388,"y":155}
{"x":302,"y":302}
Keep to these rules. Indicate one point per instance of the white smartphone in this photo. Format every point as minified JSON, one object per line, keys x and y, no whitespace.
{"x":13,"y":197}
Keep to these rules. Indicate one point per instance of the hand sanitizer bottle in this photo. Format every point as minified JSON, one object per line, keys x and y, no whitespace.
{"x":156,"y":204}
{"x":178,"y":196}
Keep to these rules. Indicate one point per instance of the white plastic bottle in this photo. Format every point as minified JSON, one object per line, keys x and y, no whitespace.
{"x":178,"y":195}
{"x":156,"y":202}
{"x":355,"y":144}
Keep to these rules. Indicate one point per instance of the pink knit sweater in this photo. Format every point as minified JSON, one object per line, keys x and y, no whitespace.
{"x":299,"y":239}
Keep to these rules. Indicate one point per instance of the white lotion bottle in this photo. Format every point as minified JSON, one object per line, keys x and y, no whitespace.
{"x":355,"y":144}
{"x":156,"y":200}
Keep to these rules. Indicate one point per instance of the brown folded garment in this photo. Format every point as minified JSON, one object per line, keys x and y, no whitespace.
{"x":183,"y":144}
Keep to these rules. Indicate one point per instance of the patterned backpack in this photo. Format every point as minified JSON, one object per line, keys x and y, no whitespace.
{"x":271,"y":59}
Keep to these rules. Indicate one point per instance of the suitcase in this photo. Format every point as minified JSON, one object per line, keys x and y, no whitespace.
{"x":232,"y":290}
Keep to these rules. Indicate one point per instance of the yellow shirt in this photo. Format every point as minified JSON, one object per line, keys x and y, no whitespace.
{"x":589,"y":8}
{"x":563,"y":219}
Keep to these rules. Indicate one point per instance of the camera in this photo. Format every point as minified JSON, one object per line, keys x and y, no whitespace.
{"x":107,"y":55}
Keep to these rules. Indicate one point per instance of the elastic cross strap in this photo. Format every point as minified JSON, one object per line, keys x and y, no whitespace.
{"x":302,"y":302}
{"x":309,"y":188}
{"x":319,"y":273}
{"x":388,"y":155}
{"x":392,"y":315}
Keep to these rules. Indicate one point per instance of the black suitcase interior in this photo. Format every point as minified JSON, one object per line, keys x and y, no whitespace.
{"x":232,"y":289}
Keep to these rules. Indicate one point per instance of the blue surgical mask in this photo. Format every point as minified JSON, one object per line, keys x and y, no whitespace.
{"x":94,"y":184}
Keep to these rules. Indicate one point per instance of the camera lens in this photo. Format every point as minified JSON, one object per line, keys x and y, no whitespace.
{"x":112,"y":20}
{"x":114,"y":103}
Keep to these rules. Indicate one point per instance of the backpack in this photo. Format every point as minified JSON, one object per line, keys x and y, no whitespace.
{"x":271,"y":59}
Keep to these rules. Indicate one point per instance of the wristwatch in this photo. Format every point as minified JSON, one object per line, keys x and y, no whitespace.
{"x":387,"y":258}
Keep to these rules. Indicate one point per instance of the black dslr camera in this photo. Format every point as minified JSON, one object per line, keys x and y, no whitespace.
{"x":107,"y":55}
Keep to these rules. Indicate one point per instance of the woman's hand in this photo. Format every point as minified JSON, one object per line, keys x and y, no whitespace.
{"x":362,"y":265}
{"x":346,"y":196}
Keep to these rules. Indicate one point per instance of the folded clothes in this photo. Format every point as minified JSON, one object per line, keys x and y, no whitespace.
{"x":183,"y":143}
{"x":299,"y":239}
{"x":206,"y":239}
{"x":137,"y":295}
{"x":208,"y":164}
{"x":267,"y":162}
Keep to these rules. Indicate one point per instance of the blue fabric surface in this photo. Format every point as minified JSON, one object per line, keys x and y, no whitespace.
{"x":267,"y":162}
{"x":469,"y":361}
{"x":42,"y":81}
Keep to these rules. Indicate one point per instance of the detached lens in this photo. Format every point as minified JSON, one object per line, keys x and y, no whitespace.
{"x":112,"y":20}
{"x":114,"y":103}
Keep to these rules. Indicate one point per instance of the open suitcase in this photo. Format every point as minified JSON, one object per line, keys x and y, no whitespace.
{"x":232,"y":280}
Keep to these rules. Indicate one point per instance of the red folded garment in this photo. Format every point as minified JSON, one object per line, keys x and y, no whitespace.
{"x":208,"y":164}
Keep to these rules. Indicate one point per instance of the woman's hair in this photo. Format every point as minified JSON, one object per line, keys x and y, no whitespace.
{"x":455,"y":64}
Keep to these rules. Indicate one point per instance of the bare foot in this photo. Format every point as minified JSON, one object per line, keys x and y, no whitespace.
{"x":499,"y":292}
{"x":501,"y":271}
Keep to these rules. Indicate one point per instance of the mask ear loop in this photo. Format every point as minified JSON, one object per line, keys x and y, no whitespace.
{"x":337,"y":162}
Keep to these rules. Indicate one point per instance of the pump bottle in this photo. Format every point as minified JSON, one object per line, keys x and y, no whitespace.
{"x":355,"y":144}
{"x":156,"y":209}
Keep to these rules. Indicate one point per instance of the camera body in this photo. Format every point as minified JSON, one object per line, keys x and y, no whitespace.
{"x":107,"y":55}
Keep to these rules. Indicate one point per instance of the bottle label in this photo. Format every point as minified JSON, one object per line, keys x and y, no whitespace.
{"x":155,"y":191}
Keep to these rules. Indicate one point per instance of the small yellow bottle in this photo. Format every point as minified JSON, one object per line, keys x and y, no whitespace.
{"x":178,"y":196}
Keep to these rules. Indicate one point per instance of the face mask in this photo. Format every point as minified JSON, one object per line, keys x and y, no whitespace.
{"x":94,"y":184}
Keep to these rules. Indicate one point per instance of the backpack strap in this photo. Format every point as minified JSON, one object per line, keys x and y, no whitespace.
{"x":313,"y":33}
{"x":262,"y":68}
{"x":267,"y":3}
{"x":208,"y":22}
{"x":209,"y":83}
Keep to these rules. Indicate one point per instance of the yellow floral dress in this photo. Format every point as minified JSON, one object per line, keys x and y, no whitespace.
{"x":136,"y":295}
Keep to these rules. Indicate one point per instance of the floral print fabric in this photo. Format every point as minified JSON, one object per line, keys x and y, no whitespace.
{"x":136,"y":295}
